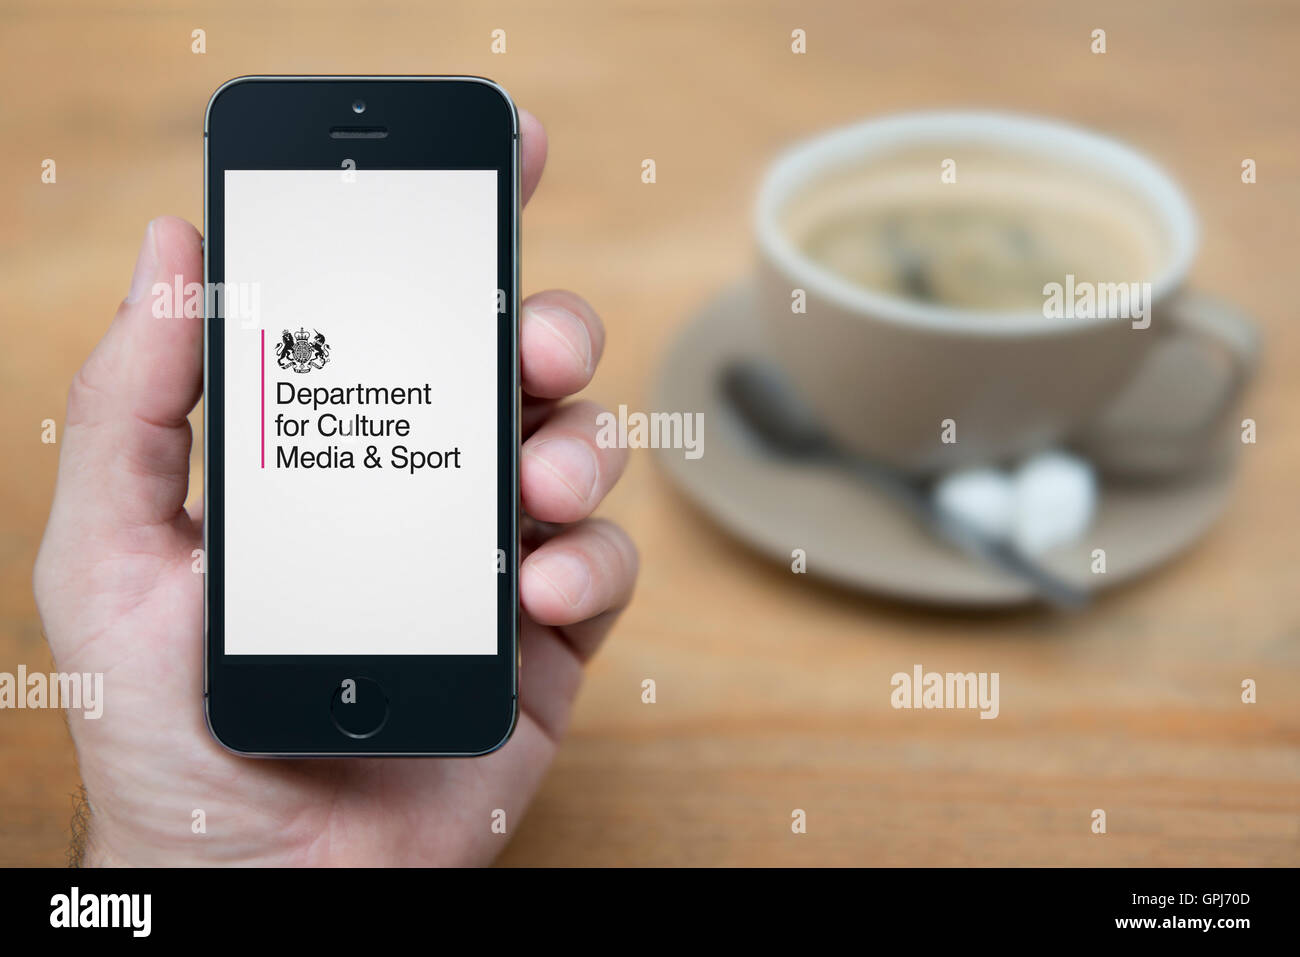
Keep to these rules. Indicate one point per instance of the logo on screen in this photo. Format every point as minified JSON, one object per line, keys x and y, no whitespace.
{"x":301,"y":352}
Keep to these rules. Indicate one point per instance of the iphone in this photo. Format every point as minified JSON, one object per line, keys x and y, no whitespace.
{"x":361,"y":416}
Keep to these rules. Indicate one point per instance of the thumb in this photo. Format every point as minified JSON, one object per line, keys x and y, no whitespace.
{"x":125,"y":455}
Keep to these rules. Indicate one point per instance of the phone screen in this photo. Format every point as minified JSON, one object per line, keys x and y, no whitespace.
{"x":360,"y":440}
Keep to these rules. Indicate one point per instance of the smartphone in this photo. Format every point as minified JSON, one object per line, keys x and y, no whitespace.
{"x":361,"y":416}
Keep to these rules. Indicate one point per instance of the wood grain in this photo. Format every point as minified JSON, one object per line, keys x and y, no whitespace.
{"x":772,"y":689}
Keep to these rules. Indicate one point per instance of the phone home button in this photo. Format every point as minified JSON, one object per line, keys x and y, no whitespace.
{"x":365,"y":710}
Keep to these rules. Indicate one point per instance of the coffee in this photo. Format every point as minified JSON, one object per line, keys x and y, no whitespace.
{"x":989,"y":241}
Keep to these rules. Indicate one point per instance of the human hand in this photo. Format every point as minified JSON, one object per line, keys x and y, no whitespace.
{"x":117,"y":595}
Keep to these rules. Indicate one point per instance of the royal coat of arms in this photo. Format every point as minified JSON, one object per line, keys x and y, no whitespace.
{"x":302,"y":352}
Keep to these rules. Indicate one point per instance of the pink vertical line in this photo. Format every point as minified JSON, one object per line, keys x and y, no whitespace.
{"x":263,"y":398}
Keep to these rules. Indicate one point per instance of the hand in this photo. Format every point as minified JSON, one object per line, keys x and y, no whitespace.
{"x":117,"y":595}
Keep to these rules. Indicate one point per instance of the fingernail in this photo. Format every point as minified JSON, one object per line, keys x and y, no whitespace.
{"x":566,"y":573}
{"x":146,"y":267}
{"x":572,"y":461}
{"x":570,"y":330}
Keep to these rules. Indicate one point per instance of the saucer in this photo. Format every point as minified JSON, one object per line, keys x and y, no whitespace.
{"x":854,"y":534}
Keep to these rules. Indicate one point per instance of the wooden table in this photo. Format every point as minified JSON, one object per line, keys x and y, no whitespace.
{"x":772,"y":689}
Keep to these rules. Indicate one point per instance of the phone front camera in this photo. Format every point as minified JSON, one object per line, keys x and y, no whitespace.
{"x":358,"y":106}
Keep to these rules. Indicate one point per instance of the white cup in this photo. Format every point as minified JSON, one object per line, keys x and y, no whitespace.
{"x":885,"y":373}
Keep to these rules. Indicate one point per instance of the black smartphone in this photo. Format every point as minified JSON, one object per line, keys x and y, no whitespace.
{"x":361,"y":415}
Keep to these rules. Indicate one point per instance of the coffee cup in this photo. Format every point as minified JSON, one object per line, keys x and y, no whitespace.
{"x":949,"y":289}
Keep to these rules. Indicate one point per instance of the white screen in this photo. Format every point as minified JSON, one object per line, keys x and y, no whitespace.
{"x":397,"y":270}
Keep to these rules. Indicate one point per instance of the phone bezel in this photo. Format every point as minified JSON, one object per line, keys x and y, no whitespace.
{"x":439,"y":705}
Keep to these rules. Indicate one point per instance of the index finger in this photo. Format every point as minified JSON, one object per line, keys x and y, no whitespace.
{"x":532,"y":147}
